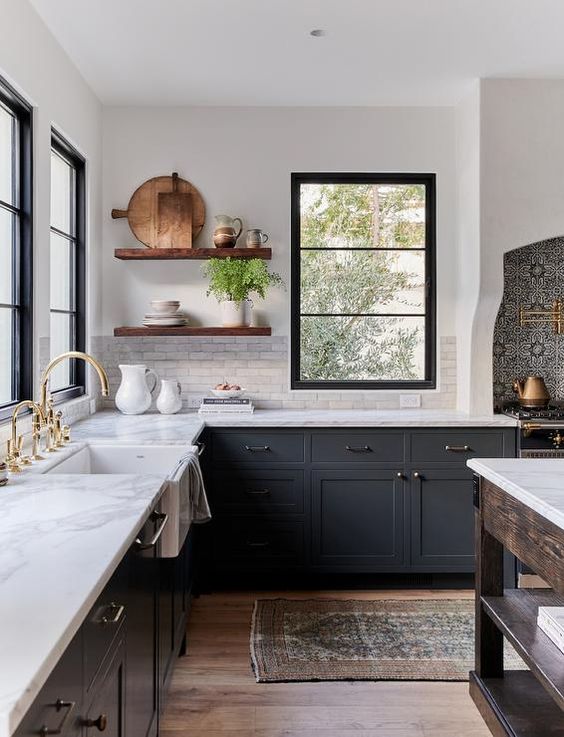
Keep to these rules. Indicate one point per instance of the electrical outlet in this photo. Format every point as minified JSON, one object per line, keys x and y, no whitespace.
{"x":410,"y":401}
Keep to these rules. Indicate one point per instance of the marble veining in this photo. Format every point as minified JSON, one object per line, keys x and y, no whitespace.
{"x":537,"y":482}
{"x":62,"y":538}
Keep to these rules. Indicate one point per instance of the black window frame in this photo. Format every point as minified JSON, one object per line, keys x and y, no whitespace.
{"x":65,"y":150}
{"x":429,"y":181}
{"x":22,"y":250}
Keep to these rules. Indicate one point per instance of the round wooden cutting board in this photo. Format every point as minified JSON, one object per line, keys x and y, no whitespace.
{"x":143,"y":209}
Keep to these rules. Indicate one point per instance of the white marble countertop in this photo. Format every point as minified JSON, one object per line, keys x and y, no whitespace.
{"x":185,"y":427}
{"x":537,"y":482}
{"x":62,"y":538}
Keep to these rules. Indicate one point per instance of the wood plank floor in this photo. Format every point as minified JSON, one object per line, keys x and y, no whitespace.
{"x":214,"y":692}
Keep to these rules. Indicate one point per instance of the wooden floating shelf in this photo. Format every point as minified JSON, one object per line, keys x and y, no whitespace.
{"x":190,"y":254}
{"x":189,"y":331}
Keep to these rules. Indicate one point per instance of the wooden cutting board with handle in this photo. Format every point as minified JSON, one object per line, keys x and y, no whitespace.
{"x":165,"y":212}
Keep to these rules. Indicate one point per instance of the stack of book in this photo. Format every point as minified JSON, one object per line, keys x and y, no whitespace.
{"x":213,"y":405}
{"x":551,"y":621}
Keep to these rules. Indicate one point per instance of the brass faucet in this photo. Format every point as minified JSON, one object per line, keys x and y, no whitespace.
{"x":56,"y":361}
{"x":14,"y":458}
{"x":57,"y":434}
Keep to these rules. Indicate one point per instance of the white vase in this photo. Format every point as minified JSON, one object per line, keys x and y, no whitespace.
{"x":134,"y":396}
{"x":236,"y":314}
{"x":169,"y":401}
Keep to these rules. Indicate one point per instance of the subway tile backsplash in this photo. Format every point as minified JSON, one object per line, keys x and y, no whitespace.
{"x":260,"y":364}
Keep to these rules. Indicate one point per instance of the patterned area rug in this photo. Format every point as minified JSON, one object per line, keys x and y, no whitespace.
{"x":323,"y":640}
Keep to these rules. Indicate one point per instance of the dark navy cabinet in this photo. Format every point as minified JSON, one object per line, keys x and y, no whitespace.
{"x":113,"y":676}
{"x":442,"y":520}
{"x":344,"y":500}
{"x":358,"y":519}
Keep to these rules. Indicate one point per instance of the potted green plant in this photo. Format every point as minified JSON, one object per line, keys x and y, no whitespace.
{"x":232,"y":281}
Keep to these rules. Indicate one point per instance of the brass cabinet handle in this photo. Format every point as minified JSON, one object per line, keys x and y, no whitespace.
{"x":399,"y":474}
{"x":257,"y":448}
{"x":417,"y":475}
{"x":261,"y":544}
{"x":59,"y":704}
{"x":154,"y":540}
{"x":458,"y":448}
{"x":257,"y":492}
{"x":100,"y":722}
{"x":118,"y":609}
{"x":358,"y":449}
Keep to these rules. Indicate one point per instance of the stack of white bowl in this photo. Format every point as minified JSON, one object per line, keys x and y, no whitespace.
{"x":164,"y":314}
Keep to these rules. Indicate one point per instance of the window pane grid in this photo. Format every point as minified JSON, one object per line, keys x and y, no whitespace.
{"x":66,"y":260}
{"x":335,"y":341}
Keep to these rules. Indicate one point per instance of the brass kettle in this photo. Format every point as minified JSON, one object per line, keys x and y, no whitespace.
{"x":532,"y":392}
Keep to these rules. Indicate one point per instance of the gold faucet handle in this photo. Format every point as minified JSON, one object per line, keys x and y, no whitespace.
{"x":12,"y":460}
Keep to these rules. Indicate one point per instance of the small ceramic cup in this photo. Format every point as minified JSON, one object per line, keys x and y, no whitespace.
{"x":256,"y":238}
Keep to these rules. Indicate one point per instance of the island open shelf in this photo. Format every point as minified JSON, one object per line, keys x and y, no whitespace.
{"x":140,"y":332}
{"x":516,"y":703}
{"x":190,"y":254}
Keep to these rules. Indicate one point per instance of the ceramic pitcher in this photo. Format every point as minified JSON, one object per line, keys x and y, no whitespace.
{"x":134,"y":396}
{"x":169,"y":401}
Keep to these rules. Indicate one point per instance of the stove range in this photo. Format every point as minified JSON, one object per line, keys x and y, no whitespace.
{"x":542,"y":430}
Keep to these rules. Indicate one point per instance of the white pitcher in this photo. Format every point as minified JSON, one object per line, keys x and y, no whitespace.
{"x":169,"y":401}
{"x":134,"y":396}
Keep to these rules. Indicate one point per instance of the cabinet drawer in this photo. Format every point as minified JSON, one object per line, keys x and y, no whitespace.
{"x":58,"y":705}
{"x":455,"y":446}
{"x":258,"y":542}
{"x":357,"y":447}
{"x":258,"y":447}
{"x":258,"y":492}
{"x":103,"y":624}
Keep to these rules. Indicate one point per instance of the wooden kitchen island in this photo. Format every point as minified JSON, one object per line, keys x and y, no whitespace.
{"x":519,"y":505}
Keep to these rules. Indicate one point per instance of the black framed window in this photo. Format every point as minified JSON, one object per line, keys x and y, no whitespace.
{"x":363,"y":267}
{"x":67,"y":266}
{"x":16,"y":250}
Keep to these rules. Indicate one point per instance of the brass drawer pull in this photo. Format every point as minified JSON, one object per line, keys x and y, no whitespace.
{"x":118,"y":610}
{"x":100,"y":723}
{"x":59,"y":704}
{"x":261,"y":544}
{"x":257,"y":448}
{"x":458,"y":448}
{"x":358,"y":449}
{"x":154,"y":540}
{"x":258,"y":492}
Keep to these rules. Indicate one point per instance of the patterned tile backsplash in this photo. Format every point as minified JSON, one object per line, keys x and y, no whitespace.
{"x":260,"y":364}
{"x":533,"y":278}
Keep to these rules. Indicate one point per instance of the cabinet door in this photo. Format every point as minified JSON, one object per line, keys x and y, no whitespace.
{"x":442,"y":520}
{"x":166,"y":623}
{"x":358,"y":519}
{"x":107,"y":711}
{"x":142,"y":666}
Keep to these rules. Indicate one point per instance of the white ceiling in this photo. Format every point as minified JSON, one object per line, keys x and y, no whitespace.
{"x":259,"y":52}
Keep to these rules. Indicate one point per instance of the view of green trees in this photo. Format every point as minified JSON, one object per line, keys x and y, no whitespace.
{"x":348,"y":295}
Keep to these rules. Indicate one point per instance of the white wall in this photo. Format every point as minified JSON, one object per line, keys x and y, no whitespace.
{"x":468,"y":241}
{"x":33,"y":62}
{"x":521,"y":198}
{"x":241,"y":159}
